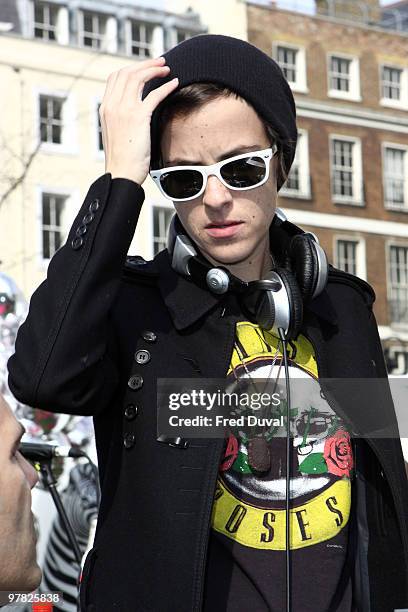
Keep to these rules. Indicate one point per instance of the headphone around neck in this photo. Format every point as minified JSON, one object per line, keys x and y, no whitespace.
{"x":274,"y":302}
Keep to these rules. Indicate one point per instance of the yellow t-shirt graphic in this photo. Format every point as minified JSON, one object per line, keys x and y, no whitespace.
{"x":249,"y":506}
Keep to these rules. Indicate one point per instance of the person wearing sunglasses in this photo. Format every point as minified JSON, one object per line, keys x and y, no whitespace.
{"x":192,"y":525}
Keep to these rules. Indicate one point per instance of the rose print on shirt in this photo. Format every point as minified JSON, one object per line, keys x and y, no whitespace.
{"x":337,"y":453}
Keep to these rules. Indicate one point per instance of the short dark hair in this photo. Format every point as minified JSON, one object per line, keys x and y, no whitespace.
{"x":192,"y":97}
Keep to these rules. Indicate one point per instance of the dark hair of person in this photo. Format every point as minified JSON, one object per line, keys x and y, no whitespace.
{"x":192,"y":97}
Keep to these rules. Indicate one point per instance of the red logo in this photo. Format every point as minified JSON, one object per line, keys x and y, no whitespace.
{"x":42,"y":607}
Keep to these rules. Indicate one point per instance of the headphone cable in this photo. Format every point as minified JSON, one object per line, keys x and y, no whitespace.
{"x":288,"y":456}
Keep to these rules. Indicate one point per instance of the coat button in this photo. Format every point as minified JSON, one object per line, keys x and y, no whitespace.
{"x":94,"y":205}
{"x":149,"y":336}
{"x":142,"y":356}
{"x":128,"y":440}
{"x":77,"y":243}
{"x":88,"y":218}
{"x":135,"y":382}
{"x":131,"y":412}
{"x":81,"y":230}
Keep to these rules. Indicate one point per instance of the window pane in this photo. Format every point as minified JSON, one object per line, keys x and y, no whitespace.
{"x":287,"y":61}
{"x":342,"y":171}
{"x":394,"y":177}
{"x":347,"y":256}
{"x":340,"y":74}
{"x":391,"y":83}
{"x":46,"y":244}
{"x":52,"y":209}
{"x":161,"y":221}
{"x":398,"y":275}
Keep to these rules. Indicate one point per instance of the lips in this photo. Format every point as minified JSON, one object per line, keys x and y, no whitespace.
{"x":226,"y":229}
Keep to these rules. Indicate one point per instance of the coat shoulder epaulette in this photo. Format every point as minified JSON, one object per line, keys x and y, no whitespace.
{"x":360,"y":285}
{"x":138,"y":270}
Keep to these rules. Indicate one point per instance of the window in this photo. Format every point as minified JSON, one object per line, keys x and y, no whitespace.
{"x":161,"y":221}
{"x":346,"y":171}
{"x":292,"y":60}
{"x":52,"y":210}
{"x":45,"y":21}
{"x":93,"y":30}
{"x":298,"y":183}
{"x":391,"y":83}
{"x":346,"y":256}
{"x":141,"y":39}
{"x":349,"y":255}
{"x":51,"y":119}
{"x":340,"y":74}
{"x":394,"y":87}
{"x":287,"y":61}
{"x":343,"y":77}
{"x":395,"y":166}
{"x":398,"y":283}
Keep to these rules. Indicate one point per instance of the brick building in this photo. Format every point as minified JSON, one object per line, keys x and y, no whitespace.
{"x":349,"y":183}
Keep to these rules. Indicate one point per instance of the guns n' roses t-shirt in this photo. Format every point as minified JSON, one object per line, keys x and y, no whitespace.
{"x":246,"y":557}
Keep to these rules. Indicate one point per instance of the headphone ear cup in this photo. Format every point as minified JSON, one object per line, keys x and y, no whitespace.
{"x":305,"y":264}
{"x":295,"y":302}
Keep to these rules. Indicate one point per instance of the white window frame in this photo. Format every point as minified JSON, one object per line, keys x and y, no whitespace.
{"x":388,"y":245}
{"x":108,"y":39}
{"x":62,"y":28}
{"x":354,"y":93}
{"x":403,"y":102}
{"x":128,"y":38}
{"x":302,"y":161}
{"x":72,"y":204}
{"x":357,"y":199}
{"x":300,"y":85}
{"x":361,"y":262}
{"x":161,"y":204}
{"x":392,"y":145}
{"x":69,"y":144}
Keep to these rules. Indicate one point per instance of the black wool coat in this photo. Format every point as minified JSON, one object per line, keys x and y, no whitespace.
{"x":76,"y":354}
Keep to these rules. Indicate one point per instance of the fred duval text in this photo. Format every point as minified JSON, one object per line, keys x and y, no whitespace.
{"x":220,"y":421}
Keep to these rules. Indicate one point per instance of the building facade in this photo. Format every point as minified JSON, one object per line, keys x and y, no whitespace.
{"x":55,"y":59}
{"x":349,"y":182}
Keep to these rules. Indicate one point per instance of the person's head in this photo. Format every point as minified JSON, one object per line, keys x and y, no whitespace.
{"x":231,"y":99}
{"x":202,"y":124}
{"x":18,"y":566}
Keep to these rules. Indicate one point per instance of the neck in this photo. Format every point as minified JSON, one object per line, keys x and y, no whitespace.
{"x":255,"y":266}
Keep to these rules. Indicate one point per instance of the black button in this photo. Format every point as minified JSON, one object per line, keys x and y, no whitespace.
{"x":77,"y":243}
{"x":142,"y":356}
{"x":149,"y":336}
{"x":82,"y":229}
{"x":128,"y":440}
{"x":135,"y":382}
{"x":94,"y":205}
{"x":131,"y":412}
{"x":89,"y":217}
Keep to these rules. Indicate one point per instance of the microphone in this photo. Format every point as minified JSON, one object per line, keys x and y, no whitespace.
{"x":41,"y":451}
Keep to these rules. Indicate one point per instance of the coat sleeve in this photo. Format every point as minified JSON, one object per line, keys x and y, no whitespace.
{"x":65,"y":354}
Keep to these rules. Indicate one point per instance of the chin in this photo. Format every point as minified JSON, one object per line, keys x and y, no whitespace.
{"x":228,"y":255}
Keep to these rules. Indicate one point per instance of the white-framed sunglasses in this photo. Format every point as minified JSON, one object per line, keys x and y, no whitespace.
{"x":241,"y":172}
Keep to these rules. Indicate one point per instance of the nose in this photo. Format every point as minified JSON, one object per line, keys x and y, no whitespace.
{"x":216,"y":194}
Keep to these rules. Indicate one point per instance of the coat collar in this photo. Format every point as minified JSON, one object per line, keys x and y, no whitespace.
{"x":187,"y":302}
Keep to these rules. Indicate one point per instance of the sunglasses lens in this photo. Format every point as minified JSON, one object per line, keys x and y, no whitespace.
{"x":244,"y":173}
{"x":181,"y":183}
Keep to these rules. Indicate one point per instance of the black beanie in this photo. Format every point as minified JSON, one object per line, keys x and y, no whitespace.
{"x":241,"y":67}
